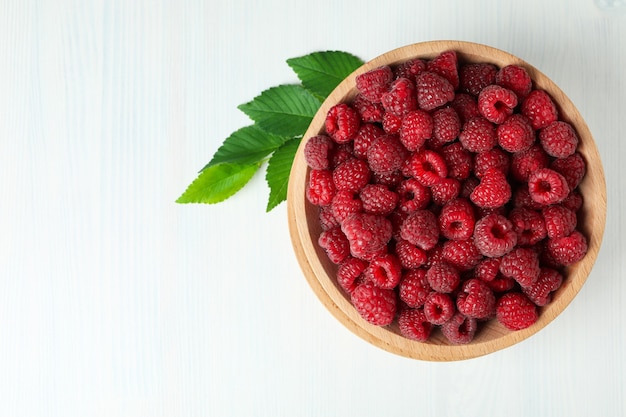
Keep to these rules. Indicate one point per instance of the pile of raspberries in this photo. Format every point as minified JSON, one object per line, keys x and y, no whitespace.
{"x":448,"y":196}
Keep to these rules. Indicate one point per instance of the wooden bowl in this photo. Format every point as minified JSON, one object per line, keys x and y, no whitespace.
{"x":492,"y":336}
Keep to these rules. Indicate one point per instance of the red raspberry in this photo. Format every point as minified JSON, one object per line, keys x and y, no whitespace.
{"x":468,"y":186}
{"x":327,"y":218}
{"x":476,"y":299}
{"x":427,"y":166}
{"x":528,"y":225}
{"x":400,"y":98}
{"x":521,"y":264}
{"x":409,"y":69}
{"x":446,"y":64}
{"x":414,"y":288}
{"x":559,"y":139}
{"x":475,"y":77}
{"x":459,"y":161}
{"x":521,"y":198}
{"x":488,"y":269}
{"x":493,"y":158}
{"x":466,"y":106}
{"x":446,"y":126}
{"x":391,"y":179}
{"x":493,"y":191}
{"x":410,"y":256}
{"x":445,"y":190}
{"x":526,"y":162}
{"x":539,"y":108}
{"x":496,"y":103}
{"x":341,"y":154}
{"x":351,"y":175}
{"x":414,"y":325}
{"x":367,"y":133}
{"x":462,"y":254}
{"x":344,"y":204}
{"x":567,"y":250}
{"x":374,"y":83}
{"x":502,"y":284}
{"x":391,"y":123}
{"x":494,"y":235}
{"x":369,"y":112}
{"x":460,"y":329}
{"x":350,"y":273}
{"x":574,"y":201}
{"x":547,"y":186}
{"x":376,"y":305}
{"x":559,"y":220}
{"x":456,"y":220}
{"x":541,"y":291}
{"x":413,"y":195}
{"x":342,"y":123}
{"x":335,"y":244}
{"x":420,"y":228}
{"x":317,"y":152}
{"x":378,"y":199}
{"x":516,"y":79}
{"x":438,"y":308}
{"x":386,"y":154}
{"x":368,"y":234}
{"x":515,"y":134}
{"x":573,"y":168}
{"x":433,"y":90}
{"x":515,"y":311}
{"x":443,"y":277}
{"x":384,"y":271}
{"x":415,"y":129}
{"x":478,"y":135}
{"x":320,"y":188}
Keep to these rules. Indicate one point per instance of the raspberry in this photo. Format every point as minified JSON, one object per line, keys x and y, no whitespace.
{"x":327,"y":218}
{"x":466,"y":106}
{"x":414,"y":288}
{"x":344,"y":204}
{"x":526,"y":162}
{"x":478,"y":135}
{"x":456,"y":220}
{"x":351,"y":175}
{"x":488,"y":269}
{"x":413,"y":195}
{"x":320,"y":188}
{"x":416,"y":127}
{"x":567,"y":250}
{"x":494,"y":235}
{"x":521,"y":264}
{"x":502,"y":284}
{"x":369,"y":112}
{"x":414,"y":325}
{"x":443,"y":277}
{"x":409,"y":69}
{"x":515,"y":134}
{"x":391,"y":123}
{"x":317,"y":151}
{"x":446,"y":126}
{"x":445,"y":190}
{"x":446,"y":65}
{"x":516,"y":79}
{"x":335,"y":244}
{"x":433,"y":90}
{"x":462,"y":254}
{"x":341,"y":154}
{"x":368,"y":234}
{"x":559,"y":139}
{"x":391,"y":179}
{"x":547,"y":186}
{"x":460,"y":329}
{"x":409,"y":255}
{"x":515,"y":311}
{"x":427,"y":166}
{"x":459,"y":161}
{"x":521,"y":198}
{"x":342,"y":122}
{"x":350,"y":273}
{"x":400,"y":98}
{"x":493,"y":158}
{"x":496,"y":103}
{"x":476,"y":299}
{"x":574,"y":201}
{"x":528,"y":225}
{"x":374,"y":83}
{"x":378,"y":199}
{"x":468,"y":186}
{"x":493,"y":191}
{"x":475,"y":77}
{"x":384,"y":271}
{"x":386,"y":154}
{"x":539,"y":108}
{"x":541,"y":291}
{"x":438,"y":308}
{"x":420,"y":228}
{"x":367,"y":133}
{"x":559,"y":220}
{"x":376,"y":305}
{"x":573,"y":168}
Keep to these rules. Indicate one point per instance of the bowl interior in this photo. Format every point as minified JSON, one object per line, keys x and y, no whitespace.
{"x":320,"y":272}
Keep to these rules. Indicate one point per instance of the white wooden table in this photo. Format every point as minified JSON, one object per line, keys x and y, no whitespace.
{"x":115,"y":301}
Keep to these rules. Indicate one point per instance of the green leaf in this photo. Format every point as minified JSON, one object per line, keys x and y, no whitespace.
{"x":321,"y":72}
{"x":278,"y":169}
{"x":285,"y":110}
{"x":217,"y":183}
{"x":246,"y":146}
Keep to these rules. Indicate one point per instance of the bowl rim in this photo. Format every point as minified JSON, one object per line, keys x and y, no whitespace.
{"x":309,"y":254}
